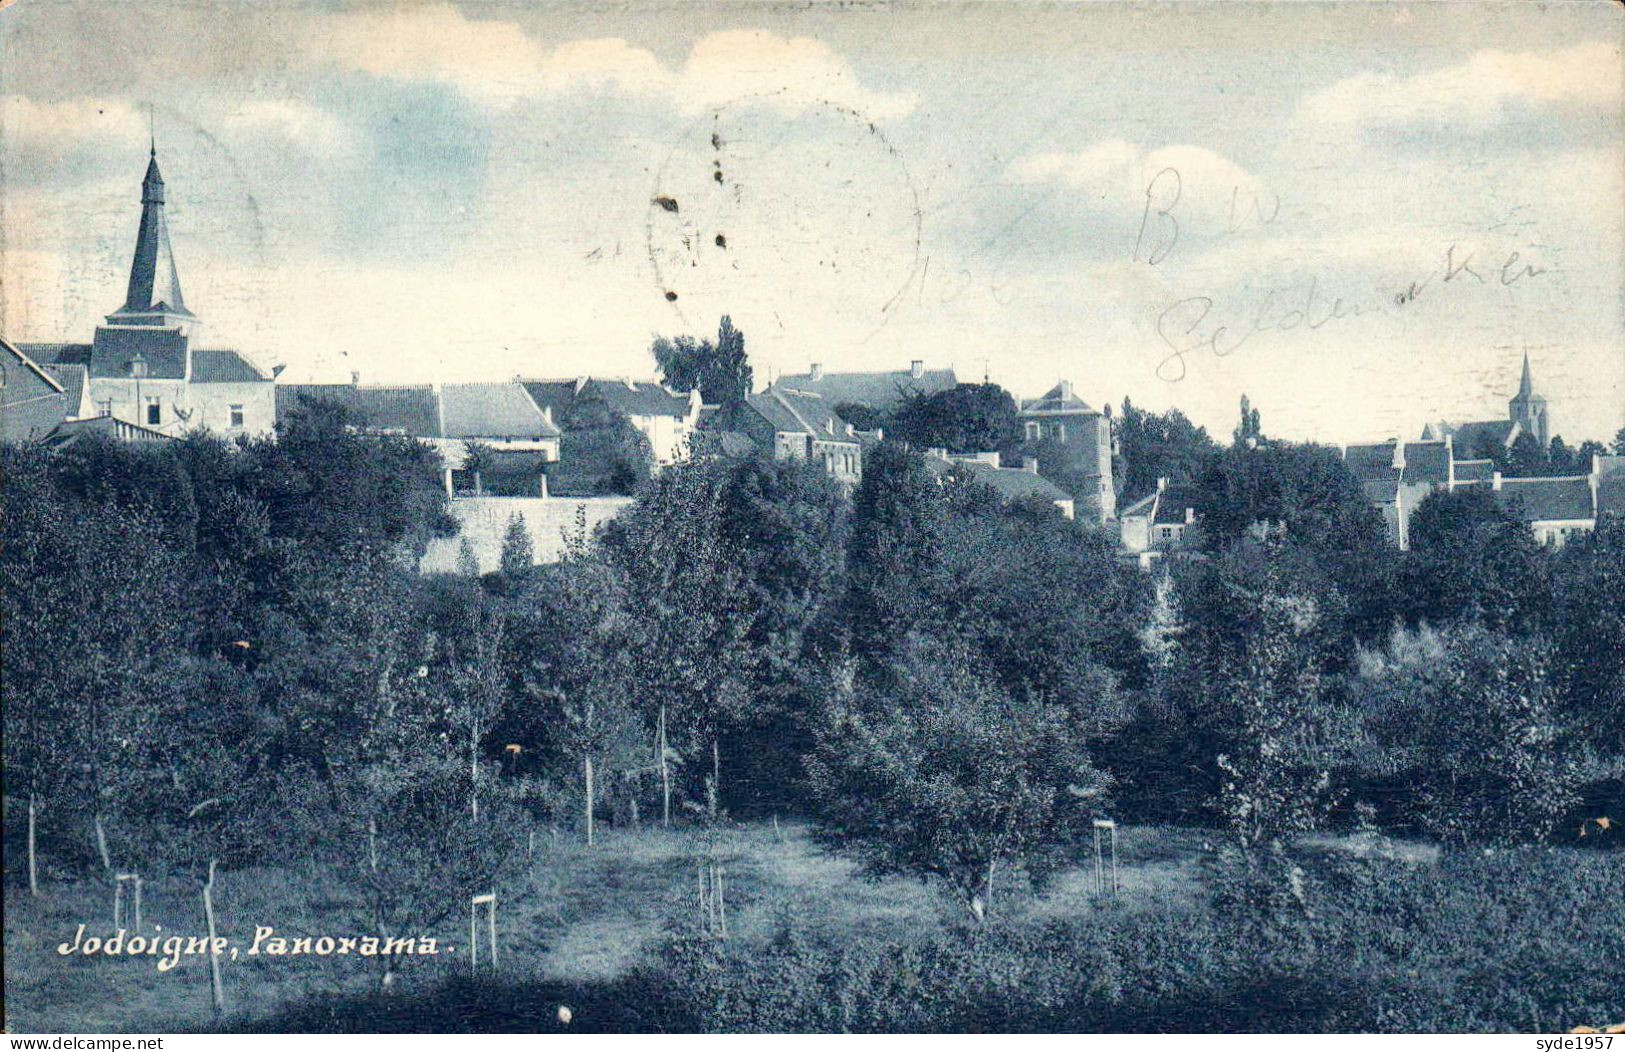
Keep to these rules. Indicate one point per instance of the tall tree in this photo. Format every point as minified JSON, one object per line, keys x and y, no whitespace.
{"x":968,"y":418}
{"x":720,"y":369}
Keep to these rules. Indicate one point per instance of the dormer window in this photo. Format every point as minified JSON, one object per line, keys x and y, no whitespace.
{"x":1034,"y":431}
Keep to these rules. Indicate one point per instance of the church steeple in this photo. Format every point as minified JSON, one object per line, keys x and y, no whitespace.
{"x":154,"y":295}
{"x":1528,"y":409}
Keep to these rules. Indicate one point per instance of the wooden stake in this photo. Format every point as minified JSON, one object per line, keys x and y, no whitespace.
{"x":33,"y":858}
{"x":101,"y":844}
{"x":214,"y":958}
{"x":586,"y":762}
{"x":665,"y":775}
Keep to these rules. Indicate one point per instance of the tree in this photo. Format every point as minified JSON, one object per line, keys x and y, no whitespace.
{"x":968,"y":418}
{"x":1248,"y":432}
{"x":1588,"y":629}
{"x":1526,"y":458}
{"x":518,"y":556}
{"x":1619,"y":442}
{"x":948,"y":778}
{"x":720,"y":370}
{"x":600,"y":452}
{"x":1472,"y":557}
{"x":1474,"y":734}
{"x":1158,"y":445}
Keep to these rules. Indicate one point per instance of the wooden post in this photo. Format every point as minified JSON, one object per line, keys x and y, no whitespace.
{"x":991,"y":863}
{"x":665,"y":775}
{"x":119,"y":880}
{"x":777,"y":832}
{"x":530,"y":845}
{"x":1109,"y":827}
{"x":722,"y":907}
{"x":33,"y":858}
{"x":474,"y":767}
{"x":586,"y":763}
{"x":101,"y":844}
{"x":214,"y":958}
{"x":489,"y":901}
{"x":372,"y":843}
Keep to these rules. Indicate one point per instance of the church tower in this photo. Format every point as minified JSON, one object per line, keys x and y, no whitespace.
{"x":154,"y":296}
{"x":1528,"y":409}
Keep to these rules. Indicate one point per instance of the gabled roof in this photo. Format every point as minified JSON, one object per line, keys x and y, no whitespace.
{"x":1467,"y":438}
{"x":1145,"y":507}
{"x":1011,"y":484}
{"x":1381,"y":491}
{"x":1426,"y":462}
{"x":1547,"y":499}
{"x":800,"y":412}
{"x":881,"y":390}
{"x":628,"y":397}
{"x":23,"y":354}
{"x":492,"y":410}
{"x":75,"y":382}
{"x":1058,"y":399}
{"x":1172,"y":504}
{"x":225,"y":367}
{"x":407,"y":409}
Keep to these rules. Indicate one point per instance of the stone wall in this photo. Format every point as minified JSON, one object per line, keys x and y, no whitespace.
{"x":484,"y":521}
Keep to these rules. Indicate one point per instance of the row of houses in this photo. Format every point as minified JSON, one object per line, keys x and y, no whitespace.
{"x":1396,"y":475}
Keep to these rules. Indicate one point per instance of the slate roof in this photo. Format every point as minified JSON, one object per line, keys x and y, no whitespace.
{"x":1611,"y":485}
{"x":1468,"y":437}
{"x":1058,"y":399}
{"x":224,"y":367}
{"x":628,"y":397}
{"x":56,"y":353}
{"x":26,"y":355}
{"x":1172,"y":504}
{"x":115,"y":347}
{"x":1426,"y":462}
{"x":882,"y":390}
{"x":492,"y":410}
{"x":1146,"y":506}
{"x":74,"y":380}
{"x":800,"y":412}
{"x":1544,"y":500}
{"x":1381,"y":491}
{"x":407,"y":409}
{"x":1474,"y":470}
{"x":1012,"y":484}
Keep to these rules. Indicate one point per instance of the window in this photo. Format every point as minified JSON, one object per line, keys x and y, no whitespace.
{"x":155,"y":411}
{"x":1034,"y":431}
{"x":236,"y":416}
{"x":1060,"y":432}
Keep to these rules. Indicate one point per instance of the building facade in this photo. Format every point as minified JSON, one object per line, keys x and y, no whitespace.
{"x":1063,"y":430}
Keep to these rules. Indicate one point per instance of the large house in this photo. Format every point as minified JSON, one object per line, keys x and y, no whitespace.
{"x":1060,"y":421}
{"x":518,"y":436}
{"x":1397,"y":475}
{"x":792,"y":425}
{"x":144,"y":367}
{"x":880,"y":391}
{"x":667,"y":418}
{"x":1013,"y":485}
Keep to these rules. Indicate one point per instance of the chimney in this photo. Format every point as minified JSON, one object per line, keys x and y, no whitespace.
{"x":547,"y":414}
{"x":1593,"y":479}
{"x":355,"y":379}
{"x":1190,"y":516}
{"x":1066,"y":389}
{"x":1029,"y":465}
{"x":1399,"y":453}
{"x":916,"y":368}
{"x":816,"y":372}
{"x":1495,"y":481}
{"x":849,"y":429}
{"x":1162,"y":483}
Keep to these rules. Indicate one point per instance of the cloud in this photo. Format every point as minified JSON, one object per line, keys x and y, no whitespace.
{"x":53,"y":130}
{"x":498,"y":63}
{"x":1488,"y":88}
{"x":315,"y":130}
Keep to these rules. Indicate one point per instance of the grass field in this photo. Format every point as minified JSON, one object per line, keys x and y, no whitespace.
{"x":577,"y":916}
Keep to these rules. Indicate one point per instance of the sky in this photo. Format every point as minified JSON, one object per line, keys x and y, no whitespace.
{"x":1360,"y":215}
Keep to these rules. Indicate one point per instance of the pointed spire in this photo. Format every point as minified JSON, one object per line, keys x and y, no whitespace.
{"x":154,"y":294}
{"x":1526,"y":388}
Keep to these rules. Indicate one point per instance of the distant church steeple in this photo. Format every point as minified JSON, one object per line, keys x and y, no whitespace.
{"x":154,"y":296}
{"x":1528,"y":409}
